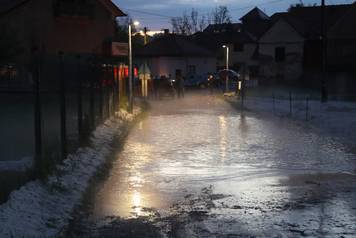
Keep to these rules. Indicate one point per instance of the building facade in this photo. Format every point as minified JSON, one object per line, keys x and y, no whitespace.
{"x":43,"y":28}
{"x":171,"y":54}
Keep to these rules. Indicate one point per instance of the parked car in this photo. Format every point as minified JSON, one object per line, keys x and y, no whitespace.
{"x":166,"y":87}
{"x":196,"y":81}
{"x":234,"y":78}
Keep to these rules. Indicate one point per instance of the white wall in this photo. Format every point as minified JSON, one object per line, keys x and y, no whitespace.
{"x":168,"y":65}
{"x":239,"y":57}
{"x":282,"y":34}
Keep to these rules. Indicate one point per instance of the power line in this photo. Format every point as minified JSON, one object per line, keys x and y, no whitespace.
{"x":251,"y":6}
{"x":150,"y":13}
{"x":234,"y":9}
{"x":158,"y":15}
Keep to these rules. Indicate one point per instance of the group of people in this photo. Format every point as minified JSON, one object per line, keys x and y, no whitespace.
{"x":166,"y":86}
{"x":163,"y":86}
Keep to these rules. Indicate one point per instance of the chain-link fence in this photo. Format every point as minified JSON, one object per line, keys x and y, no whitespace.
{"x":53,"y":112}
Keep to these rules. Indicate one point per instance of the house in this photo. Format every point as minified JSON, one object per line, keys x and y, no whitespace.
{"x":46,"y":27}
{"x":241,"y":38}
{"x":280,"y":53}
{"x":290,"y":51}
{"x":341,"y":53}
{"x":172,"y":54}
{"x":255,"y":22}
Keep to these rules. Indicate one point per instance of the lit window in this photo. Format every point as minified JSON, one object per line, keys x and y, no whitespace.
{"x":8,"y":72}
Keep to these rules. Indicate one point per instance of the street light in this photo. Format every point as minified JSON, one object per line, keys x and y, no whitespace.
{"x":227,"y":68}
{"x":135,"y":23}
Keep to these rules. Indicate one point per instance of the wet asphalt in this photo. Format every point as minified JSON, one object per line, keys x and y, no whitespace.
{"x":197,"y":167}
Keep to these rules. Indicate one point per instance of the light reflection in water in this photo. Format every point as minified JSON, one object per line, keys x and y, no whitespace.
{"x":223,"y":137}
{"x":136,"y":202}
{"x":169,"y":156}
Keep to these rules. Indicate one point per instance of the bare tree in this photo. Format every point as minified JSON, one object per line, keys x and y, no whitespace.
{"x":194,"y":17}
{"x":221,"y":15}
{"x":182,"y":25}
{"x":190,"y":24}
{"x":202,"y":23}
{"x":175,"y":24}
{"x":187,"y":24}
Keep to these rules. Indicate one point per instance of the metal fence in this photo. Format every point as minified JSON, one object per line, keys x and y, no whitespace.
{"x":66,"y":99}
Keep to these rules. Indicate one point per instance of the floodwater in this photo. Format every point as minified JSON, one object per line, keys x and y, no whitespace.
{"x":196,"y":167}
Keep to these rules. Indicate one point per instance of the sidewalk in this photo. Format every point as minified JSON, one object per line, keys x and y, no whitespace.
{"x":44,"y":208}
{"x":334,"y":118}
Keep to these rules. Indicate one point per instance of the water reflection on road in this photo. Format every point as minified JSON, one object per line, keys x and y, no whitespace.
{"x":248,"y":174}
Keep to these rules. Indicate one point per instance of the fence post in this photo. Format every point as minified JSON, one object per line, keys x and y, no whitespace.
{"x":62,"y":99}
{"x":274,"y":103}
{"x":307,"y":109}
{"x":37,"y":112}
{"x":80,"y":101}
{"x":101,"y":96}
{"x":107,"y":91}
{"x":92,"y":96}
{"x":118,"y":93}
{"x":290,"y":103}
{"x":243,"y":87}
{"x":113,"y":87}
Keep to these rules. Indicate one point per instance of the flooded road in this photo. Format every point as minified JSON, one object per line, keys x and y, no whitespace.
{"x":199,"y":168}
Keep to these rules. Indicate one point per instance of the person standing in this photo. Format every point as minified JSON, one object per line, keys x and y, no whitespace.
{"x":180,"y":84}
{"x":211,"y":83}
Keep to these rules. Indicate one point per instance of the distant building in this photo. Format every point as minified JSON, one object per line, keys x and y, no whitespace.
{"x":170,"y":54}
{"x":287,"y":47}
{"x":341,"y":59}
{"x":83,"y":27}
{"x":280,"y":54}
{"x":242,"y":39}
{"x":290,"y":50}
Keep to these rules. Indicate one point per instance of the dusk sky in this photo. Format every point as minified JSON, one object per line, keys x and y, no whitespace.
{"x":156,"y":14}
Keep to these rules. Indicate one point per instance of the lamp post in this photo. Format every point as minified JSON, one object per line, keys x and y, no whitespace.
{"x":131,"y":96}
{"x":227,"y":68}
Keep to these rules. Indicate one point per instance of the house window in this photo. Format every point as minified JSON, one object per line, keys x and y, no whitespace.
{"x":238,"y":47}
{"x":280,"y":54}
{"x":8,"y":72}
{"x":191,"y":70}
{"x":78,"y":8}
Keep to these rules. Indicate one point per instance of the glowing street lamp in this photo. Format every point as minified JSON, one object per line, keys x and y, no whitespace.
{"x":227,"y":68}
{"x":135,"y":23}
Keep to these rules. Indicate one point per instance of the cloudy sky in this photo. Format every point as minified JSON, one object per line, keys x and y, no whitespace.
{"x":156,"y":14}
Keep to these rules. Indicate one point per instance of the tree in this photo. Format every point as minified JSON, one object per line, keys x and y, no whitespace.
{"x":191,"y":23}
{"x":121,"y":30}
{"x":221,"y":15}
{"x":183,"y":25}
{"x":194,"y":17}
{"x":202,"y":23}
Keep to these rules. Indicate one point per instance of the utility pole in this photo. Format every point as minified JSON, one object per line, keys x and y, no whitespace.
{"x":131,"y":95}
{"x":145,"y":39}
{"x":324,"y":93}
{"x":227,"y":68}
{"x":62,"y":102}
{"x":130,"y":72}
